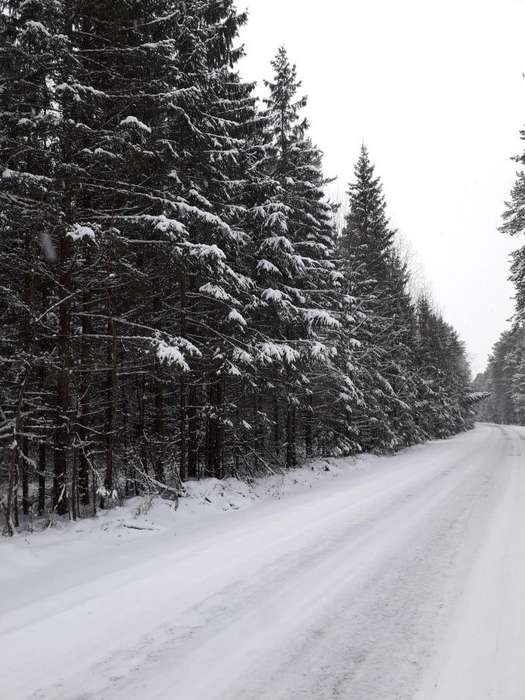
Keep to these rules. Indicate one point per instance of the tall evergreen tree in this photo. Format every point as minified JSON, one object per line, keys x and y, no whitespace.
{"x":294,"y":247}
{"x":514,"y":225}
{"x":504,"y":377}
{"x":367,"y":251}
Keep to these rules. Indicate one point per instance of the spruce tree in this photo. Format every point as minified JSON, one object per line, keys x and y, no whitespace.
{"x":366,"y":248}
{"x":504,"y":374}
{"x":514,"y":225}
{"x":293,"y":265}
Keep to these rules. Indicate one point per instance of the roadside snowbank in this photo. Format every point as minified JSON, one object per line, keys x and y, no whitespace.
{"x":202,"y":499}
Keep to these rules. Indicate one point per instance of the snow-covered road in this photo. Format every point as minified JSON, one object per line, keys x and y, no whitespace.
{"x":402,"y":580}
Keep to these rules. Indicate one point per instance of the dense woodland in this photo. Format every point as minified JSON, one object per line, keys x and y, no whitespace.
{"x":176,"y":299}
{"x":504,"y":377}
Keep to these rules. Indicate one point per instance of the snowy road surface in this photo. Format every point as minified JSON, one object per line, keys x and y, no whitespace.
{"x":401,"y":579}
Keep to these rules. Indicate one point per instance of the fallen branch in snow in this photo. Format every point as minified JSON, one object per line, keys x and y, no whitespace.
{"x":140,"y":527}
{"x":160,"y":487}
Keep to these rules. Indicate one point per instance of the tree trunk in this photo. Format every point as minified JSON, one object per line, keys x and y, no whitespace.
{"x":215,"y":430}
{"x":41,"y":478}
{"x":83,"y":407}
{"x":291,"y":456}
{"x":193,"y":430}
{"x":276,"y":427}
{"x":64,"y":264}
{"x":74,"y":484}
{"x":308,"y":432}
{"x":62,"y":433}
{"x":183,"y":463}
{"x":9,"y":507}
{"x":25,"y":476}
{"x":110,"y":403}
{"x":158,"y":430}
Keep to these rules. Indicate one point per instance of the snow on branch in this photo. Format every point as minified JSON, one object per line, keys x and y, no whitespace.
{"x":320,"y":317}
{"x":277,"y":352}
{"x":215,"y":291}
{"x":135,"y":123}
{"x":79,"y":231}
{"x":174,"y":351}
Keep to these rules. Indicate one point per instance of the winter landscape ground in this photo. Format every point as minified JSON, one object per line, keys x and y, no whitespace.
{"x":368,"y":578}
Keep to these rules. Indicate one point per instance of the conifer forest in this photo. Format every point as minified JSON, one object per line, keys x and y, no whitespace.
{"x":504,"y":378}
{"x":177,"y":298}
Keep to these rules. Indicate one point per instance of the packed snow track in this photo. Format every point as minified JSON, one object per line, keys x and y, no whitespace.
{"x":401,"y":579}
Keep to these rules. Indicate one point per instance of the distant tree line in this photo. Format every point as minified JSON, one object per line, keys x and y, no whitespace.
{"x":504,"y":377}
{"x":175,"y":298}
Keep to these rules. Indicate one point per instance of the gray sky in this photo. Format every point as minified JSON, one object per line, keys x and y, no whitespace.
{"x":436,"y":91}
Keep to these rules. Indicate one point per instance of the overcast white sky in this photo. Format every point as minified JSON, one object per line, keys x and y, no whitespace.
{"x":436,"y":91}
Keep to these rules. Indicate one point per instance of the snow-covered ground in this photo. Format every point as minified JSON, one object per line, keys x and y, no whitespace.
{"x":380,"y":578}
